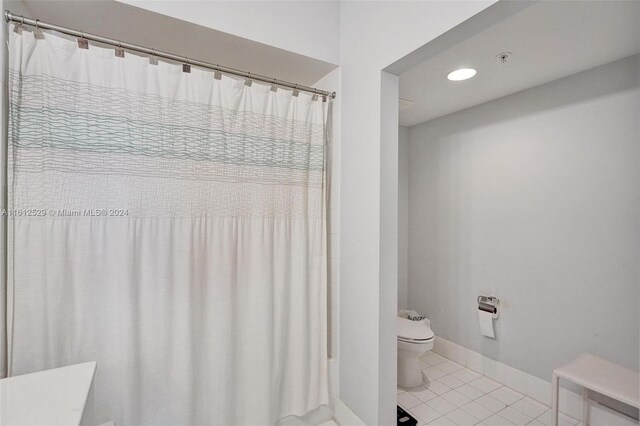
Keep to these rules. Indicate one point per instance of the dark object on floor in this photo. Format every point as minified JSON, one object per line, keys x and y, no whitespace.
{"x":405,"y":419}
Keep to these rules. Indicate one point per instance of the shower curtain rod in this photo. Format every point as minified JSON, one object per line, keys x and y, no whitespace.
{"x":10,"y":17}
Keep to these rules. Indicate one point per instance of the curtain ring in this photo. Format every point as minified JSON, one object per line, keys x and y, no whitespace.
{"x":19,"y":24}
{"x":153,"y":59}
{"x":37,"y":33}
{"x":119,"y":50}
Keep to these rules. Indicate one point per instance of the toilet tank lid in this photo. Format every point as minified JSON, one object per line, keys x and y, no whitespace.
{"x":415,"y":330}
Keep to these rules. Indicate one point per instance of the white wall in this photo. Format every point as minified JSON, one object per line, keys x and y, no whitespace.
{"x":388,"y":265}
{"x":372,"y":36}
{"x":3,"y":142}
{"x":403,"y":217}
{"x":533,"y":198}
{"x":310,"y":28}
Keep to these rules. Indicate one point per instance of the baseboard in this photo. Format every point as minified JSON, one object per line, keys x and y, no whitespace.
{"x":531,"y":386}
{"x":344,"y":416}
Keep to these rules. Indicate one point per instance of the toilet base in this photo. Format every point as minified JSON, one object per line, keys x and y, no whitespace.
{"x":409,"y":369}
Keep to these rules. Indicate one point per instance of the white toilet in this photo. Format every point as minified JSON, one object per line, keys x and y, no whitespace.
{"x":414,"y":339}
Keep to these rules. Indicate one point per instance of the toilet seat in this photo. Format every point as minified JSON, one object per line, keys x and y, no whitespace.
{"x":402,"y":339}
{"x":413,"y":331}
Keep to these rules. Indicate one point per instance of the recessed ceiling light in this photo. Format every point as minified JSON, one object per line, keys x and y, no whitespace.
{"x":461,"y":74}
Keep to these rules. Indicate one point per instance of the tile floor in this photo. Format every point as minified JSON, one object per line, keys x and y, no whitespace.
{"x":454,"y":395}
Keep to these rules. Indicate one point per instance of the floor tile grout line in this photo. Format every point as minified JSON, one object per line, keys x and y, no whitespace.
{"x":461,"y":407}
{"x":472,"y":399}
{"x":488,"y":393}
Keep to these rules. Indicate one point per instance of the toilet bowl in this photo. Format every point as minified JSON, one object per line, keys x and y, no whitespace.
{"x":414,"y":339}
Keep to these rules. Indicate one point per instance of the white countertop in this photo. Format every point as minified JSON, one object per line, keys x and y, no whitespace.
{"x":49,"y":397}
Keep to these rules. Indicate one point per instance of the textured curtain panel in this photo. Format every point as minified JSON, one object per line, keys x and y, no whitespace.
{"x":170,"y":226}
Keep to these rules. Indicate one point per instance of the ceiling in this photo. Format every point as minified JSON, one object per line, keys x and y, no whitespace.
{"x":120,"y":21}
{"x":548,"y":40}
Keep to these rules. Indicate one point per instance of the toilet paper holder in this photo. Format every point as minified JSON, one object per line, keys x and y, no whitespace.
{"x":489,"y":304}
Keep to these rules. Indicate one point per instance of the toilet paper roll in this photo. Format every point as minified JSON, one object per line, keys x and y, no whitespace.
{"x":485,"y":319}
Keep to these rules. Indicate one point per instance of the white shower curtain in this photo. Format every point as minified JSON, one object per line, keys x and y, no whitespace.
{"x":170,"y":226}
